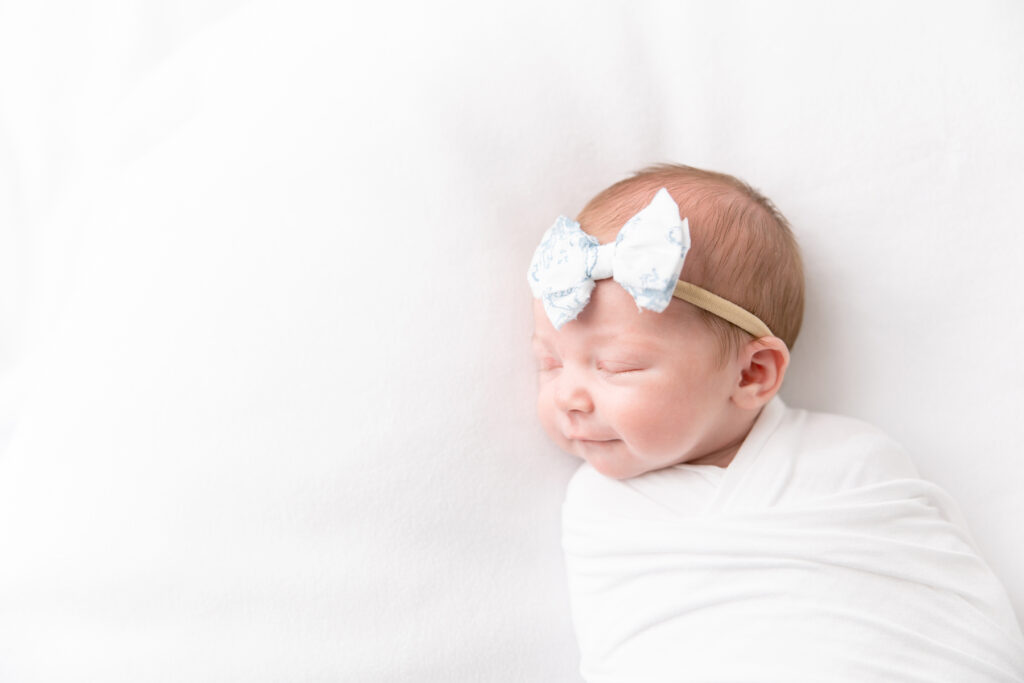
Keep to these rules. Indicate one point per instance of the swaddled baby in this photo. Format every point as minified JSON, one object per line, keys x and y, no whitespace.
{"x":713,"y":533}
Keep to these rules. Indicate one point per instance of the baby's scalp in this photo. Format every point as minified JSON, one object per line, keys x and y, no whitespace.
{"x":742,"y":248}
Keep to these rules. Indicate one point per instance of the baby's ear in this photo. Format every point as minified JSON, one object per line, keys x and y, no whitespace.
{"x":763,"y":364}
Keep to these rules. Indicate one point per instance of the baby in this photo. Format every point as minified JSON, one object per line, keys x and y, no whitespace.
{"x":713,"y":533}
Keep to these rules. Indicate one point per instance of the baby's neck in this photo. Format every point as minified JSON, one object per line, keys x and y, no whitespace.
{"x":719,"y":458}
{"x":723,"y":456}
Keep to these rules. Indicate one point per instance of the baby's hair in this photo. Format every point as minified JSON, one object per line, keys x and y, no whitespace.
{"x":741,"y":249}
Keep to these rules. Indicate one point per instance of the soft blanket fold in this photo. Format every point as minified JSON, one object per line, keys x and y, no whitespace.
{"x":819,"y":556}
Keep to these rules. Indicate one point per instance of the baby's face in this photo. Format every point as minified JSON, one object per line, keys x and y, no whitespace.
{"x":632,"y":392}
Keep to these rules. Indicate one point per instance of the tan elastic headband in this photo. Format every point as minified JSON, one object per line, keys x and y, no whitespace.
{"x":727,"y":310}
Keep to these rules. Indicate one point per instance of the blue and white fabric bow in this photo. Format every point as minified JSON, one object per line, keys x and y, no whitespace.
{"x":646,"y":259}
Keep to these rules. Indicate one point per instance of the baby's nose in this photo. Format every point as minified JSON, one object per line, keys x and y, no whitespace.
{"x":573,"y":395}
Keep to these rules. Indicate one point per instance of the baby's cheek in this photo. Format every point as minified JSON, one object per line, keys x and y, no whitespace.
{"x":631,"y":417}
{"x":546,"y":415}
{"x":543,"y":406}
{"x":652,"y":425}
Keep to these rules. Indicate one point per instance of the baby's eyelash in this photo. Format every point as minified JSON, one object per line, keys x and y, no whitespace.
{"x":617,"y":369}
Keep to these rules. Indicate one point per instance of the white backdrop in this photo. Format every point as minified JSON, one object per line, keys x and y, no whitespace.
{"x":265,"y":391}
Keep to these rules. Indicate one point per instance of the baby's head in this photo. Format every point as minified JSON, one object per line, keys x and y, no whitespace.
{"x":632,"y":391}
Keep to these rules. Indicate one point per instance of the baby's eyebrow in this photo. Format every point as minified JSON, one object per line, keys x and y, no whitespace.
{"x":630,"y":350}
{"x":630,"y":342}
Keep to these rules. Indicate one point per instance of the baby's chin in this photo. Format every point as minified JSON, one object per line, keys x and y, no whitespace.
{"x":610,"y":459}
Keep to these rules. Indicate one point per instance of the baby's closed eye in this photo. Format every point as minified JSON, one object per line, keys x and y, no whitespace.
{"x":546,"y":363}
{"x":618,"y":367}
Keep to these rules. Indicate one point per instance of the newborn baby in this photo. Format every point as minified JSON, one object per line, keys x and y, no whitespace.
{"x":713,"y":533}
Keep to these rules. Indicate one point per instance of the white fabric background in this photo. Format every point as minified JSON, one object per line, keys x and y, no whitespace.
{"x":265,"y":386}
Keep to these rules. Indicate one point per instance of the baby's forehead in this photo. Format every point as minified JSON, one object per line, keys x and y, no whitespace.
{"x":579,"y":335}
{"x":613,"y":319}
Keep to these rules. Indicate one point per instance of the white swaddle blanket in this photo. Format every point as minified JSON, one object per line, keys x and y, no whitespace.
{"x":818,"y":554}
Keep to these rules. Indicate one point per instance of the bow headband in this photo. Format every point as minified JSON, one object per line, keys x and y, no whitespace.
{"x":645,"y":259}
